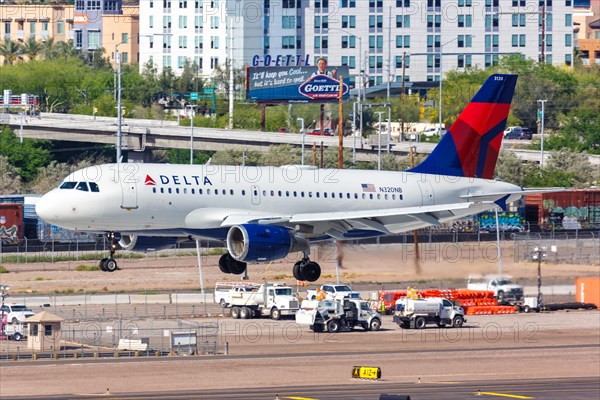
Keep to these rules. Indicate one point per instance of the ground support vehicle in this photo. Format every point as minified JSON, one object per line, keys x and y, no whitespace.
{"x":375,"y":141}
{"x":332,"y":292}
{"x":223,"y":290}
{"x":338,"y":315}
{"x":272,"y":299}
{"x":504,"y":290}
{"x":11,"y":331}
{"x":417,"y":313}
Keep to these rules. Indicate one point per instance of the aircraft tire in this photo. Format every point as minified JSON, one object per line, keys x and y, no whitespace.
{"x":297,"y":271}
{"x":224,"y":264}
{"x":110,"y":265}
{"x":101,"y":264}
{"x":311,"y":271}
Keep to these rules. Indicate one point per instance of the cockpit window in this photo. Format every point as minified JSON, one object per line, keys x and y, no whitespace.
{"x":94,"y":187}
{"x":82,"y":186}
{"x":68,"y":185}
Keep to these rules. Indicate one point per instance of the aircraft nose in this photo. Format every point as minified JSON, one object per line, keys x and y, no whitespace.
{"x":46,"y":208}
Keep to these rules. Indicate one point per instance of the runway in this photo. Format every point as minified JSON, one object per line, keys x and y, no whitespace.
{"x":587,"y":388}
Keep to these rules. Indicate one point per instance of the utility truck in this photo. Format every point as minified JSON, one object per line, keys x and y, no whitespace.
{"x":338,"y":315}
{"x":504,"y":290}
{"x":13,"y":331}
{"x":332,"y":292}
{"x":272,"y":299}
{"x":223,"y":291}
{"x":416,"y":313}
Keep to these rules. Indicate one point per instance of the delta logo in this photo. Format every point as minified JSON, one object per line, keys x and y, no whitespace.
{"x":149,"y":181}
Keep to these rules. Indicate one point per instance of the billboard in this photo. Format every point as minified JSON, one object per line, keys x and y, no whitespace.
{"x":300,"y":84}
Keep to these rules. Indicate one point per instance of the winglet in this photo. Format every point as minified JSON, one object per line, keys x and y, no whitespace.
{"x":502,"y":202}
{"x":472,"y":145}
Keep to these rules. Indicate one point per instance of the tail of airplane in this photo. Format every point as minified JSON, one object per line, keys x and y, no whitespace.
{"x":472,"y":145}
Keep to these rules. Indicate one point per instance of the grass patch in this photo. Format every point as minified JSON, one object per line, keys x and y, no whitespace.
{"x":33,"y":258}
{"x":39,"y":279}
{"x":3,"y":270}
{"x":282,"y":276}
{"x":87,"y":268}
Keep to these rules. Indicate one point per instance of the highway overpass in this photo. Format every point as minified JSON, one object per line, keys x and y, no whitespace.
{"x":141,"y":135}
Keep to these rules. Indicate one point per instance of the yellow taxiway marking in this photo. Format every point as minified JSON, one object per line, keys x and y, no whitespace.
{"x":512,"y":396}
{"x":298,"y":398}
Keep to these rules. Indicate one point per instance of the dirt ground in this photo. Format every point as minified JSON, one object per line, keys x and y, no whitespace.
{"x":391,"y":266}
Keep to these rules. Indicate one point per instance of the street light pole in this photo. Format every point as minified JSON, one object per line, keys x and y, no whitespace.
{"x":3,"y":295}
{"x":379,"y":143}
{"x":441,"y":79}
{"x":302,"y":132}
{"x":542,"y":132}
{"x":119,"y":104}
{"x":192,"y":133}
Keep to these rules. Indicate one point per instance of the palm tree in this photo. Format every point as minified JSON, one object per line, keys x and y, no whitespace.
{"x":66,"y":49}
{"x":32,"y":48}
{"x":48,"y":50}
{"x":11,"y":51}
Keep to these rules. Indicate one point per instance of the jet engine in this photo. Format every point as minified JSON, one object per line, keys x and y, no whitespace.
{"x":146,"y":243}
{"x":259,"y":243}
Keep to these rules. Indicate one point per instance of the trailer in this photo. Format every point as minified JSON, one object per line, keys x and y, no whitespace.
{"x":222,"y":294}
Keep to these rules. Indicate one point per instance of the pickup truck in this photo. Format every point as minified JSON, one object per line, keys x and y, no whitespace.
{"x":504,"y":290}
{"x":16,"y":313}
{"x":14,"y":332}
{"x":223,"y":291}
{"x":332,"y":292}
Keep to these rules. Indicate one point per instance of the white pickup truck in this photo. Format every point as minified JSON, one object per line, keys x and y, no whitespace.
{"x":11,"y":331}
{"x":504,"y":290}
{"x":223,"y":291}
{"x":332,"y":292}
{"x":16,"y":313}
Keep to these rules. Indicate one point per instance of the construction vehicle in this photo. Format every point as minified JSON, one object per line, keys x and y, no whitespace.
{"x":415,"y":312}
{"x":332,"y":292}
{"x":272,"y":299}
{"x":338,"y":315}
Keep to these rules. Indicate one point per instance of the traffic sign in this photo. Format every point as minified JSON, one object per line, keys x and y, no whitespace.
{"x":209,"y":90}
{"x":194,"y":96}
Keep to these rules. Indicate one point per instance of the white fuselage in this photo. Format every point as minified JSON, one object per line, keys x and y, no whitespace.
{"x":135,"y":198}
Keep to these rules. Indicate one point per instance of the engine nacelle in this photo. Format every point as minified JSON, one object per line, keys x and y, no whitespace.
{"x":260,"y":243}
{"x":146,"y":243}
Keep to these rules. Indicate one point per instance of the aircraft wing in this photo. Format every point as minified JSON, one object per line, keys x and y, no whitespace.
{"x":492,"y":195}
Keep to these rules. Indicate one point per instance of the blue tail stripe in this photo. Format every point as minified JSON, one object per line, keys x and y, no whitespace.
{"x":485,"y":144}
{"x":445,"y":150}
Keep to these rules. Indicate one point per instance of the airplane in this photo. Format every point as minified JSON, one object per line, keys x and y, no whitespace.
{"x":265,"y":213}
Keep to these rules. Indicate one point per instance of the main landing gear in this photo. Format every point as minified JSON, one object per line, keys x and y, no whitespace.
{"x":304,"y":270}
{"x":110,"y":264}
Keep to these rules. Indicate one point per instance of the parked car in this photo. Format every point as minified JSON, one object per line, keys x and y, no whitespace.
{"x":317,"y":132}
{"x":430,"y":132}
{"x":518,"y":132}
{"x":16,"y":313}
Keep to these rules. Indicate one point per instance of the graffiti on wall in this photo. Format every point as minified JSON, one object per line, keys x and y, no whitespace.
{"x":9,"y":235}
{"x":575,"y":217}
{"x":508,"y":222}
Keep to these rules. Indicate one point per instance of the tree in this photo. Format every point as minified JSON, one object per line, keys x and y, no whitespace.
{"x":576,"y":165}
{"x":48,"y":50}
{"x":32,"y":48}
{"x":11,"y":51}
{"x":10,"y":181}
{"x":26,"y":157}
{"x":512,"y":169}
{"x":51,"y":175}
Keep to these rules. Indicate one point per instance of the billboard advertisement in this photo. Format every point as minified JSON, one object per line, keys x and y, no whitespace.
{"x":301,"y":84}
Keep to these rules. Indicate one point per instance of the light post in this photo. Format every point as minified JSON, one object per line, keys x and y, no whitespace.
{"x":543,"y":102}
{"x":191,"y":107}
{"x":360,"y":72}
{"x":379,"y":143}
{"x":539,"y":254}
{"x":119,"y":91}
{"x":3,"y":295}
{"x":303,"y":134}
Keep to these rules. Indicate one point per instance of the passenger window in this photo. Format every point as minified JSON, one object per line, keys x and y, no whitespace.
{"x":82,"y":186}
{"x":301,"y":194}
{"x":364,"y":196}
{"x":393,"y":197}
{"x":231,"y":192}
{"x":264,"y":193}
{"x":162,"y":190}
{"x":309,"y":194}
{"x":347,"y":195}
{"x":94,"y":187}
{"x":207,"y":191}
{"x":193,"y":191}
{"x":386,"y":196}
{"x":356,"y":195}
{"x":287,"y":194}
{"x":371,"y":196}
{"x":325,"y":194}
{"x":154,"y":190}
{"x":224,"y":192}
{"x":170,"y":191}
{"x":68,"y":185}
{"x":199,"y":191}
{"x":177,"y":190}
{"x":243,"y":192}
{"x":184,"y":190}
{"x":318,"y":195}
{"x":378,"y":196}
{"x":272,"y":193}
{"x":279,"y":193}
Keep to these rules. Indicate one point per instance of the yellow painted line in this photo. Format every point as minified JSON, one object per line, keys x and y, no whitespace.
{"x":298,"y":398}
{"x":512,"y":396}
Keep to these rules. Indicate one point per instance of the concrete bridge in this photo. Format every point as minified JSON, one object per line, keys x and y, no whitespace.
{"x":141,"y":135}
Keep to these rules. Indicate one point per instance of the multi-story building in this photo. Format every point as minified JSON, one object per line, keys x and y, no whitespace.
{"x":201,"y":33}
{"x":427,"y":37}
{"x":586,"y":17}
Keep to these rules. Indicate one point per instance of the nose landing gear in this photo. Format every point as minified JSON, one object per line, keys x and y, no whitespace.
{"x":110,"y":264}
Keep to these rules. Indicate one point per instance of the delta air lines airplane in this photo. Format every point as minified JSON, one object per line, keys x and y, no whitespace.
{"x":265,"y":213}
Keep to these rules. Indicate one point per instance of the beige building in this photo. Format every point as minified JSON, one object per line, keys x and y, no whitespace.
{"x":587,"y":31}
{"x":123,"y":31}
{"x":41,"y":22}
{"x":44,"y":332}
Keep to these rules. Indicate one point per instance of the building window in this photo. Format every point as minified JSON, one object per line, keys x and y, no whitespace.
{"x":402,"y":3}
{"x":47,"y":330}
{"x":183,"y":42}
{"x":214,"y":42}
{"x":288,"y":42}
{"x":288,"y":22}
{"x":182,"y":22}
{"x":348,"y":42}
{"x":214,"y":62}
{"x":93,"y":40}
{"x":60,"y":27}
{"x":402,"y":21}
{"x":568,"y":40}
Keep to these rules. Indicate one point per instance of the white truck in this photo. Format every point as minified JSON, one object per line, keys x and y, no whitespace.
{"x":223,"y":291}
{"x":332,"y":292}
{"x":272,"y":299}
{"x":504,"y":290}
{"x":12,"y":331}
{"x":416,"y":313}
{"x":376,"y":141}
{"x":16,"y":313}
{"x":337,"y":315}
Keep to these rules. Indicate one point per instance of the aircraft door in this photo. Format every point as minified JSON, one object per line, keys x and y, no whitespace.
{"x":128,"y":180}
{"x":426,"y":193}
{"x":255,"y":195}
